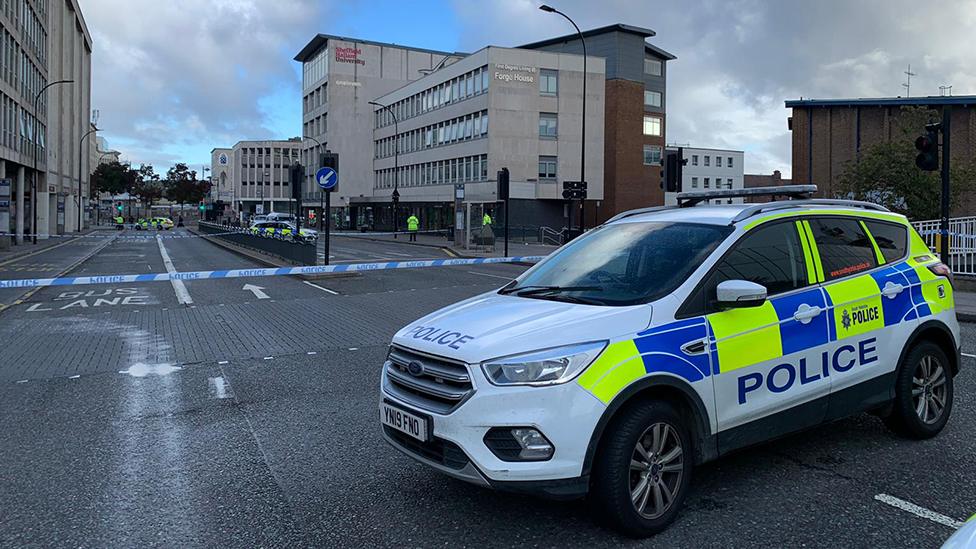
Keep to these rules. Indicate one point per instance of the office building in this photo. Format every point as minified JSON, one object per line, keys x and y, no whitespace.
{"x":829,"y":133}
{"x":44,"y":41}
{"x":498,"y":107}
{"x":252,"y":177}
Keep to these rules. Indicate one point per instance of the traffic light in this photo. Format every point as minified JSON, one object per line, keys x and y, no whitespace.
{"x":503,"y":192}
{"x":928,"y":148}
{"x":119,"y":207}
{"x":296,"y":173}
{"x":329,"y":160}
{"x":202,"y":207}
{"x":574,"y":190}
{"x":673,"y":163}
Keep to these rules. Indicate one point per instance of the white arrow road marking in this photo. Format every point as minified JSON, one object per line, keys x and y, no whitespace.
{"x":256,"y":290}
{"x":918,"y":511}
{"x":182,"y":295}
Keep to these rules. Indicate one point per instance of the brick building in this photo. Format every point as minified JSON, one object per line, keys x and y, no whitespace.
{"x":635,"y":122}
{"x":827,"y":133}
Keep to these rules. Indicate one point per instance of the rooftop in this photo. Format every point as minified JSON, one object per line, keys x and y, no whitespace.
{"x":929,"y":100}
{"x":618,"y":27}
{"x":320,"y":40}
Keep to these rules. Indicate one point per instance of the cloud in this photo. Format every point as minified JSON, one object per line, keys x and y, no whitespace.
{"x":173,"y":79}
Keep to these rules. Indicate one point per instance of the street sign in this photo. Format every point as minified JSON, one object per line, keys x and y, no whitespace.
{"x":327,"y":178}
{"x":259,"y":209}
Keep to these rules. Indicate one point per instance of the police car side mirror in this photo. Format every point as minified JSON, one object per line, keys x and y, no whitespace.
{"x":739,"y":293}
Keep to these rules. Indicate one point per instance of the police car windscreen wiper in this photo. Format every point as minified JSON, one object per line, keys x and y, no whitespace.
{"x":526,"y":291}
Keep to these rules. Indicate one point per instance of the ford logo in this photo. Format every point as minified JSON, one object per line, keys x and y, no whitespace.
{"x":415,"y":368}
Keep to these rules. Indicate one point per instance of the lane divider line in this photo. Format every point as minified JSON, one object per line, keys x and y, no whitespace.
{"x":918,"y":511}
{"x":324,"y":289}
{"x":182,"y":295}
{"x":248,"y":273}
{"x":967,"y":355}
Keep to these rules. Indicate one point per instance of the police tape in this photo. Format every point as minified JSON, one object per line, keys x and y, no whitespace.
{"x":124,"y":237}
{"x":248,"y":273}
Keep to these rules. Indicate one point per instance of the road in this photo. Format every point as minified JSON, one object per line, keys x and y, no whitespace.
{"x":143,"y":414}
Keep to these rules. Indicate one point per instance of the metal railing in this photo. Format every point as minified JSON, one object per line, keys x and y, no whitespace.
{"x":962,"y":241}
{"x":300,"y":253}
{"x":551,"y":236}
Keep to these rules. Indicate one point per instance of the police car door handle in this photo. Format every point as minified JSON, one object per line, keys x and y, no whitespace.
{"x":891,"y":289}
{"x":693,"y":348}
{"x":805,"y":313}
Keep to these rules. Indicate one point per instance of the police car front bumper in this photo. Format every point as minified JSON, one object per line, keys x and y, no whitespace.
{"x":565,"y":414}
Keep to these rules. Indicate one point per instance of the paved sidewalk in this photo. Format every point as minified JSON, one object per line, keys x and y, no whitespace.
{"x":965,"y":306}
{"x":439,"y":241}
{"x":26,"y":249}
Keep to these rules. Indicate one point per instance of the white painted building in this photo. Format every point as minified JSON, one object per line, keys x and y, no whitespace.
{"x":710,"y":169}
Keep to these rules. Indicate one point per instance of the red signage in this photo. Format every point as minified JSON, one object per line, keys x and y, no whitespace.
{"x":349,"y":55}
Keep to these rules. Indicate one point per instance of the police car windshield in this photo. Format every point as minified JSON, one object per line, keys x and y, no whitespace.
{"x":624,"y":263}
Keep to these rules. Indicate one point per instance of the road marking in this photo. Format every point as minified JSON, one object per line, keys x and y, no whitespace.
{"x":333,"y":292}
{"x":311,"y":353}
{"x":222,"y":361}
{"x":491,"y":275}
{"x":76,"y":376}
{"x":220,"y":388}
{"x":920,"y":512}
{"x":269,"y":358}
{"x":182,"y":295}
{"x":353,"y":348}
{"x":256,"y":290}
{"x":967,"y":355}
{"x":33,"y":253}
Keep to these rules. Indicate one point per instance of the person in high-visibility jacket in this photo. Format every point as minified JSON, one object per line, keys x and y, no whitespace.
{"x":119,"y":222}
{"x":486,"y":220}
{"x":413,"y":225}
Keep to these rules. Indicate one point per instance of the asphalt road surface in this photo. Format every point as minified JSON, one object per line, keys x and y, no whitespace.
{"x":214,"y":414}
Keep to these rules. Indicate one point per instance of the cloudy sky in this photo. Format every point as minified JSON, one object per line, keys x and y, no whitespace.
{"x":174,"y":79}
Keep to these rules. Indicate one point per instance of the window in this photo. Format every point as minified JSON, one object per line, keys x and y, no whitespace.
{"x":547,"y":167}
{"x":729,"y":181}
{"x":652,"y":98}
{"x":652,"y":125}
{"x":547,"y":124}
{"x":652,"y":155}
{"x":891,"y":238}
{"x":730,"y":162}
{"x":706,"y":182}
{"x":548,"y":82}
{"x":694,"y":160}
{"x":843,"y":246}
{"x":694,"y":182}
{"x":770,"y":255}
{"x":718,"y":161}
{"x":708,"y":160}
{"x":653,"y":66}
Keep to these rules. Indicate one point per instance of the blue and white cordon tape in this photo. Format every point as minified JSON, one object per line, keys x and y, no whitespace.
{"x":242,"y":273}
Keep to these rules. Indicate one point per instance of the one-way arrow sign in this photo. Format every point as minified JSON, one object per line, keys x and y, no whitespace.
{"x":256,"y":290}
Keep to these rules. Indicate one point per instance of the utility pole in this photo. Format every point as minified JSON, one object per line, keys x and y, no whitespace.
{"x":944,"y":222}
{"x":908,"y":84}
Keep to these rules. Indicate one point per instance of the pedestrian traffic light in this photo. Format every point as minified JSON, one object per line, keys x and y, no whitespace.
{"x":329,"y":160}
{"x":202,"y":207}
{"x":503,"y":184}
{"x":928,"y":148}
{"x":118,"y":207}
{"x":574,"y":190}
{"x":296,"y":173}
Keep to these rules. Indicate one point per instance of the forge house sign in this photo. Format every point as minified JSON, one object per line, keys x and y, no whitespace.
{"x":349,"y":55}
{"x":514,"y":73}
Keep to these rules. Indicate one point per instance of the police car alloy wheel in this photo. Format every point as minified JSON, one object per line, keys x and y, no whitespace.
{"x":923,"y":393}
{"x":643,"y":469}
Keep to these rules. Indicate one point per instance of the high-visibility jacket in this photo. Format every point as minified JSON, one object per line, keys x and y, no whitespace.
{"x":486,"y":220}
{"x":413,"y":223}
{"x":120,"y":220}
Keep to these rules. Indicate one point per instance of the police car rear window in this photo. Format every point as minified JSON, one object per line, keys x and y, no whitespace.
{"x":844,"y":247}
{"x":892,"y":239}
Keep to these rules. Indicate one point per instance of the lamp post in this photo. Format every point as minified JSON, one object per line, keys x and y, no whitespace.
{"x":322,"y":212}
{"x":37,"y":99}
{"x":90,"y":190}
{"x":396,"y":165}
{"x":81,"y":143}
{"x":550,"y":9}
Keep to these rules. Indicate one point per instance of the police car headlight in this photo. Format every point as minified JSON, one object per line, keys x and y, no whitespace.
{"x":546,"y":367}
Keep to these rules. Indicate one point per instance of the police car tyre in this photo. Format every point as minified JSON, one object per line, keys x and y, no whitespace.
{"x":643,"y":469}
{"x":923,"y":393}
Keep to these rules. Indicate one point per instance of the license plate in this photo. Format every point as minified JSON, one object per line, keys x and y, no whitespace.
{"x":404,"y":421}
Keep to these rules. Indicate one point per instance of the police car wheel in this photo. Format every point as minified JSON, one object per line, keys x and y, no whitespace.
{"x":643,"y":469}
{"x":923,"y":393}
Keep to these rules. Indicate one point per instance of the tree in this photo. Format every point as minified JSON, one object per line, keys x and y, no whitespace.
{"x":148,"y":186}
{"x":183,"y":187}
{"x":113,"y":178}
{"x":886,"y":173}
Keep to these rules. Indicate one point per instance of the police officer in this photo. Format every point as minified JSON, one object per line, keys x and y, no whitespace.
{"x":486,"y":220}
{"x":413,"y":224}
{"x":119,"y":222}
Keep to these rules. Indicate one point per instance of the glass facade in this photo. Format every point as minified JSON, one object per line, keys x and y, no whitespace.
{"x":465,"y":169}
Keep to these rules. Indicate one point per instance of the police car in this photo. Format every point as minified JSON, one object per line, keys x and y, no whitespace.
{"x":670,"y":336}
{"x":283,"y":230}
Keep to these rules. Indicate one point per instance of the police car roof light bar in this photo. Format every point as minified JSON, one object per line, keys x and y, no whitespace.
{"x":688,"y":199}
{"x":756,"y":209}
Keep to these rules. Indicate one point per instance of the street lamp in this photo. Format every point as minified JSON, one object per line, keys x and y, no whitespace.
{"x":396,"y":165}
{"x":80,"y":149}
{"x":551,"y":9}
{"x":37,"y":99}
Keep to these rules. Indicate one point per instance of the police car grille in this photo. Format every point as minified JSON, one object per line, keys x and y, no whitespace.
{"x":438,"y":450}
{"x":441,"y":388}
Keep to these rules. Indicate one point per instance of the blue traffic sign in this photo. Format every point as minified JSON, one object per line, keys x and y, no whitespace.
{"x":327,"y":178}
